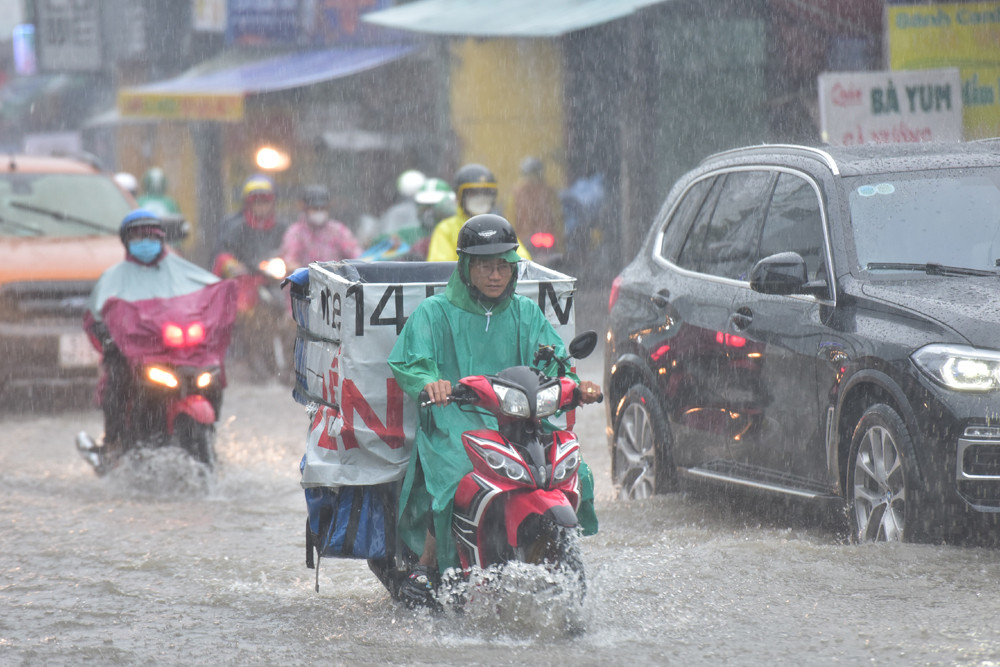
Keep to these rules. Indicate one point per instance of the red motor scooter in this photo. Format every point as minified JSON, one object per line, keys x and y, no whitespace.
{"x":519,"y":502}
{"x":175,"y":350}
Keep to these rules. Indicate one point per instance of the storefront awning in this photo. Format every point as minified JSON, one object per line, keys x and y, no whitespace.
{"x":216,"y":90}
{"x":504,"y":18}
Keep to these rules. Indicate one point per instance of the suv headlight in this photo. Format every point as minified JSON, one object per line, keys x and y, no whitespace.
{"x":960,"y":367}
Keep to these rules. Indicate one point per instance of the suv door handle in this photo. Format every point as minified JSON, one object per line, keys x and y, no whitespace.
{"x":661,"y":298}
{"x":742,"y":318}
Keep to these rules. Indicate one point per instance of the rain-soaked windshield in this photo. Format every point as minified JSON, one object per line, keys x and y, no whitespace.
{"x":59,"y":205}
{"x":948,"y":218}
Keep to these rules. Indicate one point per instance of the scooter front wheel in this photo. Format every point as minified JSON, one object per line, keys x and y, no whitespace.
{"x":197,"y":439}
{"x":556,"y":547}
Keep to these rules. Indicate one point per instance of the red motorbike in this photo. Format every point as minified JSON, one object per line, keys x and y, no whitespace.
{"x":175,"y":350}
{"x":519,"y":502}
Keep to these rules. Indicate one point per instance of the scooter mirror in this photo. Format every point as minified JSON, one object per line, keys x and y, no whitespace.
{"x":582,"y":345}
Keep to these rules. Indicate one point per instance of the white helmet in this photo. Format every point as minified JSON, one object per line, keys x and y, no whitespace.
{"x":410,"y":182}
{"x":127,"y":181}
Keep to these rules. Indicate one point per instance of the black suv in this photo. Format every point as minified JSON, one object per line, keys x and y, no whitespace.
{"x":820,"y":322}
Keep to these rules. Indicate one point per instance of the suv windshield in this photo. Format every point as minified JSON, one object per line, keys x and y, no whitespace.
{"x":59,"y":205}
{"x":948,"y":217}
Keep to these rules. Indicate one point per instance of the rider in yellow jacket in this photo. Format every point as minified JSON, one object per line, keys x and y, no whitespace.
{"x":476,"y":193}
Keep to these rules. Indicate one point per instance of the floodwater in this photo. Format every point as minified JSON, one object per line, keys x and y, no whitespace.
{"x":176,"y":568}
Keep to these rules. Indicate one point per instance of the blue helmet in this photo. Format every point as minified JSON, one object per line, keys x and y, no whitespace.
{"x":141,"y":217}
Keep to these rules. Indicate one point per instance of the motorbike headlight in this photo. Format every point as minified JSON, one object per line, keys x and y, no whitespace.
{"x":204,"y":380}
{"x":505,"y":465}
{"x":162,"y":377}
{"x":960,"y":367}
{"x":513,"y":402}
{"x":547,"y":401}
{"x":274,"y":267}
{"x":566,"y":467}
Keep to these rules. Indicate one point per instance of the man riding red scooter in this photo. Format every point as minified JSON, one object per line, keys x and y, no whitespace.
{"x":479,"y":326}
{"x":162,"y":325}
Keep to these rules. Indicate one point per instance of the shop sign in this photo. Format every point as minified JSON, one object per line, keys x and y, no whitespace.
{"x":225,"y":108}
{"x":965,"y":35}
{"x":313,"y":23}
{"x":890,"y":107}
{"x":68,"y":35}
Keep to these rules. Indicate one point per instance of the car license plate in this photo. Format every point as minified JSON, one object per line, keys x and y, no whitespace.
{"x":75,"y":351}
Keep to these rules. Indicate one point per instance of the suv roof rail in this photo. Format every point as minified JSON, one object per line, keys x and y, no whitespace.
{"x":806,"y":151}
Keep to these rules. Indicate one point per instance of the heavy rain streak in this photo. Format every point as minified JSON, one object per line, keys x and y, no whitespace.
{"x":260,"y":137}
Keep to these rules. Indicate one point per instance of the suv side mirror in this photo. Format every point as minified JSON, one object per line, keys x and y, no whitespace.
{"x":783,"y":273}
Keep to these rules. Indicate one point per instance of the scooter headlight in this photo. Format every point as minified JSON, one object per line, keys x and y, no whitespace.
{"x":162,"y":376}
{"x":566,"y":467}
{"x":505,"y":465}
{"x":513,"y":402}
{"x":547,"y":401}
{"x":204,"y":380}
{"x":960,"y":367}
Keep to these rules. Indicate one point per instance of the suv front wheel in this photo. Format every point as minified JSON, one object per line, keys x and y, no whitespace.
{"x":641,"y":459}
{"x":880,"y":478}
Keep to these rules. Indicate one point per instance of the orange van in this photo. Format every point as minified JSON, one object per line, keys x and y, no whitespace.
{"x":59,"y":222}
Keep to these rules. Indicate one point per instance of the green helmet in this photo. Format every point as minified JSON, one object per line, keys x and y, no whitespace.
{"x":154,"y":182}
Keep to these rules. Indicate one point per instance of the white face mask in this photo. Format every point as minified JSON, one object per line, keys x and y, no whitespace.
{"x":478,"y":204}
{"x":317,"y":218}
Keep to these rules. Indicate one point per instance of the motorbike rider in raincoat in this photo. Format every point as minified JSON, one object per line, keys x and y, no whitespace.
{"x":477,"y":326}
{"x":475,"y":193}
{"x":154,"y":195}
{"x":245,"y":240}
{"x":149,"y":271}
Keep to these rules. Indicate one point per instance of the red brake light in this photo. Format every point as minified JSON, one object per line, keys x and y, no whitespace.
{"x":543,"y":240}
{"x":729,"y":340}
{"x":616,"y":286}
{"x":173,"y":335}
{"x":195,"y":333}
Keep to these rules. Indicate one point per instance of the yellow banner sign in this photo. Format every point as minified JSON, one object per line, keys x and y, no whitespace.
{"x":964,"y":35}
{"x":225,"y":108}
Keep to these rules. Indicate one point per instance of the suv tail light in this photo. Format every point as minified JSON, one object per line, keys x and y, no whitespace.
{"x":616,"y":286}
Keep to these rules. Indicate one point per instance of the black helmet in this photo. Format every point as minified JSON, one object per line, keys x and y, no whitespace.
{"x":316,"y":196}
{"x":473,"y":177}
{"x":486,"y":234}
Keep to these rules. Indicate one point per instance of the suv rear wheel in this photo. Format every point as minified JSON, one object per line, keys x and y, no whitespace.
{"x":641,"y":459}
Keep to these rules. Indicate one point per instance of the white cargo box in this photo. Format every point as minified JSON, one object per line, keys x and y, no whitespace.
{"x":349,"y":316}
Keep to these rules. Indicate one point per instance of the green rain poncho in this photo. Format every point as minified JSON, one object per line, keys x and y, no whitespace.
{"x":448,"y":337}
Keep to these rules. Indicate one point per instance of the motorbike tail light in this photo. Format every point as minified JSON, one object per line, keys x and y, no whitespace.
{"x":204,"y":380}
{"x":616,"y":286}
{"x":162,"y":377}
{"x":173,"y":335}
{"x":195,"y":333}
{"x":543,"y":240}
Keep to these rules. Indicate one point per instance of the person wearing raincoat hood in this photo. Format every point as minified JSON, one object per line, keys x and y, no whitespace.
{"x":478,"y":326}
{"x":149,"y":271}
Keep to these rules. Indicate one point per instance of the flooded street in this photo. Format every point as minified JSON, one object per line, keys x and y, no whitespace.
{"x":145,"y":570}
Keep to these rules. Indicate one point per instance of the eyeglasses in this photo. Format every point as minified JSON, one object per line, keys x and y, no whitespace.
{"x":487,"y":267}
